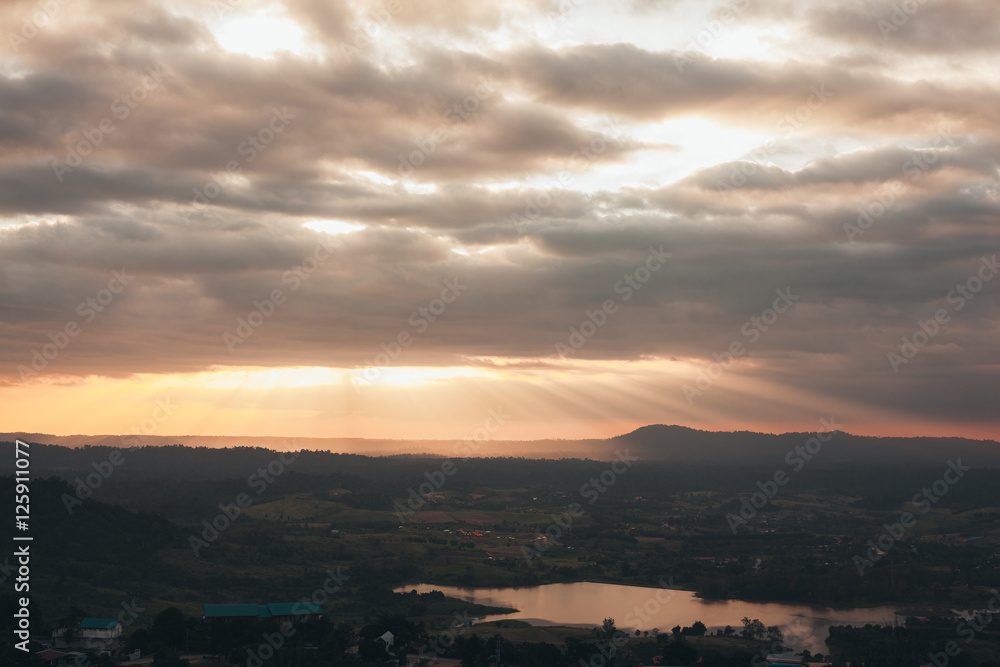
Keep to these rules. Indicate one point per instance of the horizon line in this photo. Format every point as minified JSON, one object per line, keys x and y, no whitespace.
{"x":445,"y":439}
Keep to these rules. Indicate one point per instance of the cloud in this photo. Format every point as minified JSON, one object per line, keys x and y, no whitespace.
{"x":539,"y":174}
{"x":929,"y":27}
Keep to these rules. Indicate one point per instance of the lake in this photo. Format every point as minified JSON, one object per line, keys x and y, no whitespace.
{"x":633,"y":607}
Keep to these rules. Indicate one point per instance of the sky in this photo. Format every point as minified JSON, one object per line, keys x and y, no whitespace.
{"x":393,"y":219}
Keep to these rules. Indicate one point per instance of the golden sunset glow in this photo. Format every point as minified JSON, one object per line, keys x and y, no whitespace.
{"x":356,"y":220}
{"x":556,"y":399}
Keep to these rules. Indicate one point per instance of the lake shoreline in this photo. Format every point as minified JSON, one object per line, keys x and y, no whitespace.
{"x":657,"y":609}
{"x":697,"y":594}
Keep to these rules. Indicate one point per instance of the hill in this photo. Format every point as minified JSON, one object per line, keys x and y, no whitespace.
{"x":677,"y":444}
{"x":686,"y":445}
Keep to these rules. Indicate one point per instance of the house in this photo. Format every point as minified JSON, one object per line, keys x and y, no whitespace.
{"x":286,"y":612}
{"x":232,"y":611}
{"x":62,"y":658}
{"x":53,"y":657}
{"x":106,"y":630}
{"x":101,"y":634}
{"x":279,"y":612}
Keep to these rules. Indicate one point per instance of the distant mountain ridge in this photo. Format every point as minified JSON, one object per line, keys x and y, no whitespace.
{"x":679,"y":444}
{"x":686,"y":445}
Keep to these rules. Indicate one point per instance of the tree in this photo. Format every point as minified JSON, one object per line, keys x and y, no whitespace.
{"x":608,"y":628}
{"x":752,"y":629}
{"x":167,"y":657}
{"x":138,"y":640}
{"x":579,"y":651}
{"x":698,"y":629}
{"x":337,"y":641}
{"x":168,"y":628}
{"x":679,"y":651}
{"x":473,"y":650}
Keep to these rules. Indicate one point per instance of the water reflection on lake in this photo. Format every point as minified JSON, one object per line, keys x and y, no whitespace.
{"x":634,"y":607}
